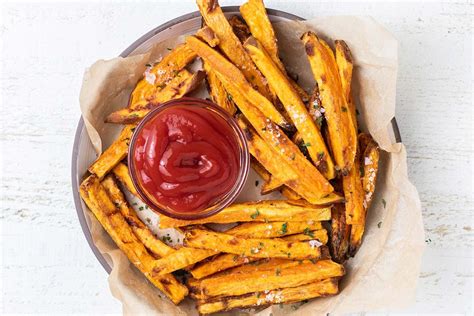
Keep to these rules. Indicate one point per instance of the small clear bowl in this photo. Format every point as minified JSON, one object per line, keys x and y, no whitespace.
{"x":225,"y":199}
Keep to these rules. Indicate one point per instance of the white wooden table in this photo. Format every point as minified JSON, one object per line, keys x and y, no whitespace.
{"x":47,"y":266}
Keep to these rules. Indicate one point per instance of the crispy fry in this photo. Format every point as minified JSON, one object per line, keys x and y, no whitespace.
{"x":114,"y":154}
{"x":286,"y":295}
{"x":295,"y":108}
{"x":273,"y":229}
{"x":321,"y":235}
{"x":289,"y":193}
{"x":207,"y":35}
{"x":121,"y":173}
{"x":143,"y":233}
{"x":271,"y":185}
{"x":256,"y":247}
{"x":260,"y":211}
{"x":369,"y":159}
{"x":230,"y":45}
{"x":180,"y":259}
{"x":220,"y":263}
{"x":323,"y":64}
{"x":113,"y":222}
{"x":217,"y":91}
{"x":283,"y":159}
{"x":340,"y":233}
{"x":226,"y":69}
{"x":240,"y":29}
{"x":183,"y":83}
{"x":230,"y":284}
{"x":345,"y":65}
{"x":255,"y":15}
{"x":163,"y":71}
{"x":354,"y":195}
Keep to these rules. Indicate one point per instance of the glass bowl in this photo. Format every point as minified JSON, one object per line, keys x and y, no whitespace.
{"x":220,"y":202}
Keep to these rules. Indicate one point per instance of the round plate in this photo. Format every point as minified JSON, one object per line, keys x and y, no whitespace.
{"x":83,"y":154}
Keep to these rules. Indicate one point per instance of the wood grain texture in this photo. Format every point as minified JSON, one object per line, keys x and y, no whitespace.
{"x":47,"y":266}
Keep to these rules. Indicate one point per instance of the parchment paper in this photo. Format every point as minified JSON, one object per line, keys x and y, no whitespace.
{"x":383,"y":275}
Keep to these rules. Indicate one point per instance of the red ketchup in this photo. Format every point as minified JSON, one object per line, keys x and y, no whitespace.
{"x":186,"y":158}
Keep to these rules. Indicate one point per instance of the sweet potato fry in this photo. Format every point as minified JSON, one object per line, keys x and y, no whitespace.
{"x":217,"y":91}
{"x":230,"y":45}
{"x":230,"y":284}
{"x":207,"y":35}
{"x":369,"y":159}
{"x":180,"y":259}
{"x":113,"y":222}
{"x":271,"y":185}
{"x":255,"y":247}
{"x":260,"y":211}
{"x":240,"y":29}
{"x":323,"y":65}
{"x":294,"y":106}
{"x":340,"y":234}
{"x":220,"y":263}
{"x":283,"y":159}
{"x":286,"y":295}
{"x":289,"y":193}
{"x":320,"y":235}
{"x":162,"y":72}
{"x":354,"y":195}
{"x":143,"y":233}
{"x":183,"y":83}
{"x":255,"y":15}
{"x":114,"y":154}
{"x":272,"y":229}
{"x":225,"y":69}
{"x":121,"y":173}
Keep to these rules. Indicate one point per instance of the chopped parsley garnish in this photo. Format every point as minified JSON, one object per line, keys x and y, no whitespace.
{"x":148,"y":65}
{"x":384,"y":203}
{"x":255,"y":215}
{"x":235,"y":258}
{"x":344,"y":109}
{"x":306,"y":144}
{"x":308,"y":232}
{"x":229,"y":97}
{"x":319,"y":121}
{"x":166,"y":238}
{"x":140,"y":208}
{"x":320,"y":155}
{"x":379,"y":224}
{"x":284,"y":228}
{"x":288,"y":254}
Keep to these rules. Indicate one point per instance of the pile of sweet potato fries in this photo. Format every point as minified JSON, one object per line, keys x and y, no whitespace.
{"x":305,"y":145}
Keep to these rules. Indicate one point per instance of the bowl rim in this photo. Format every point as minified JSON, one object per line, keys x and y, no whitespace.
{"x":80,"y":126}
{"x":243,"y":155}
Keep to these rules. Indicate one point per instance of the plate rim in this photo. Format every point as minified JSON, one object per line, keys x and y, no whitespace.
{"x":125,"y":53}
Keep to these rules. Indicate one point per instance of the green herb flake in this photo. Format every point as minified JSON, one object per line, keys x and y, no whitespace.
{"x":344,"y":109}
{"x":161,"y":86}
{"x":141,"y":208}
{"x":148,"y":65}
{"x":229,"y":97}
{"x":384,"y":203}
{"x":284,"y":228}
{"x":169,"y":48}
{"x":235,"y":258}
{"x":258,"y":294}
{"x":308,"y":232}
{"x":255,"y":215}
{"x":320,"y":155}
{"x":319,"y":121}
{"x":289,"y":254}
{"x":306,"y":144}
{"x":379,"y":224}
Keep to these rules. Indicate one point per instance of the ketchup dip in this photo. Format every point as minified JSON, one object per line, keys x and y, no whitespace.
{"x":186,"y":156}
